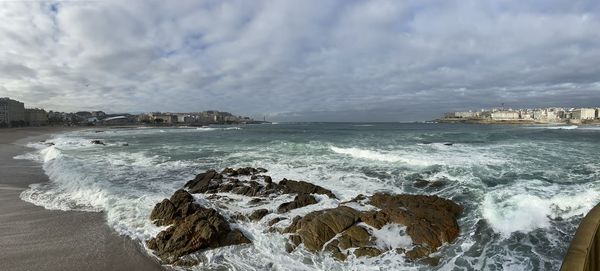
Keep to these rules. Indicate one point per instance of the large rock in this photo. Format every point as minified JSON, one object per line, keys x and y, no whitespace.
{"x":203,"y":181}
{"x":430,"y":221}
{"x":317,"y":228}
{"x":193,"y":228}
{"x":300,"y":201}
{"x":302,"y":187}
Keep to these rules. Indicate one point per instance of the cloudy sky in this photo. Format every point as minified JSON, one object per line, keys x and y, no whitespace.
{"x":301,"y":60}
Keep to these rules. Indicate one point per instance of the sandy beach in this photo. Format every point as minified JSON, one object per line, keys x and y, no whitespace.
{"x":33,"y":238}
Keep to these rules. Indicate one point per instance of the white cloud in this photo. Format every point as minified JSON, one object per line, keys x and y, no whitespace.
{"x":368,"y":60}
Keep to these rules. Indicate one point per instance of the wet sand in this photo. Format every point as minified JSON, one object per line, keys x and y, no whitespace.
{"x":33,"y":238}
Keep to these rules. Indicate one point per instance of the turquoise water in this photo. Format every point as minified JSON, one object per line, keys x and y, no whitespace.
{"x":524,"y":189}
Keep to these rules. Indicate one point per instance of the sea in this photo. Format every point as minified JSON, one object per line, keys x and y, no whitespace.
{"x":524,"y":189}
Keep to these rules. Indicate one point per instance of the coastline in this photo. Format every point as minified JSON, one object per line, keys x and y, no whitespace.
{"x":33,"y":238}
{"x":516,"y":122}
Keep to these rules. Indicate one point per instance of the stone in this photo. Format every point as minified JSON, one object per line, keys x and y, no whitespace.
{"x":258,"y":214}
{"x":97,"y":142}
{"x":302,"y":187}
{"x":193,"y":228}
{"x":300,"y":201}
{"x":317,"y":228}
{"x":367,"y":252}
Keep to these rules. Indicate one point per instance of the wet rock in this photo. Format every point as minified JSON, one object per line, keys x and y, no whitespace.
{"x":275,"y":221}
{"x":193,"y":228}
{"x":258,"y":214}
{"x":97,"y":142}
{"x":255,"y":201}
{"x":204,"y":182}
{"x":420,"y":183}
{"x":317,"y":228}
{"x":367,"y":252}
{"x":300,"y":201}
{"x":355,"y":236}
{"x":302,"y":187}
{"x":430,"y":220}
{"x":163,"y":213}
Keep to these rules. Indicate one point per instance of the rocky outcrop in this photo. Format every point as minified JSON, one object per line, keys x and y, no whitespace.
{"x":300,"y":200}
{"x":97,"y":142}
{"x":430,"y":221}
{"x":343,"y":231}
{"x":258,"y":186}
{"x":193,"y":228}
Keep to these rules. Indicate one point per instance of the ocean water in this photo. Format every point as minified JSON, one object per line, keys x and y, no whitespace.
{"x":524,"y":189}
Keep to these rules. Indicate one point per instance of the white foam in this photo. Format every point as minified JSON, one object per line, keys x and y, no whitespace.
{"x":392,"y":236}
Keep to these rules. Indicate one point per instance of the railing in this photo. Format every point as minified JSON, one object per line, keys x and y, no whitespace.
{"x":584,"y":251}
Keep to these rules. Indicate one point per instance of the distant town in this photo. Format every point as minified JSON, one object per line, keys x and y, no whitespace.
{"x":14,"y":114}
{"x":516,"y":116}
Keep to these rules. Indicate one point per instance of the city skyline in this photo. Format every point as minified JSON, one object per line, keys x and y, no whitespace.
{"x":300,"y":61}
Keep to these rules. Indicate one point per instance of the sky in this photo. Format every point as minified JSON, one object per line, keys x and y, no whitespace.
{"x":322,"y":60}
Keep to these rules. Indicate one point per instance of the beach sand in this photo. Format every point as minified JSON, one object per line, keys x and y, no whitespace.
{"x":33,"y":238}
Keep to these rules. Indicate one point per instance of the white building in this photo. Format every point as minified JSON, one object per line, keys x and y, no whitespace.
{"x":11,"y":111}
{"x":505,"y":115}
{"x":36,"y":117}
{"x":584,"y":114}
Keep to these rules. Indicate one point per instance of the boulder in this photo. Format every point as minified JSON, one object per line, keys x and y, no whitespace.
{"x":203,"y":182}
{"x":302,"y":187}
{"x":97,"y":142}
{"x":367,"y":252}
{"x":193,"y":228}
{"x":258,"y":214}
{"x":300,"y":201}
{"x":317,"y":228}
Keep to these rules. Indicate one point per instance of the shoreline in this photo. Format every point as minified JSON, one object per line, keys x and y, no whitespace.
{"x":34,"y":238}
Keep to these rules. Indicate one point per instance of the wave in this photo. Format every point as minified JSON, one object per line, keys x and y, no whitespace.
{"x":519,"y":209}
{"x":368,"y":154}
{"x":568,"y":127}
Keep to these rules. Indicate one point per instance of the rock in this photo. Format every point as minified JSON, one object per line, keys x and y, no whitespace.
{"x":367,"y":252}
{"x":305,"y":188}
{"x":163,"y":213}
{"x":355,"y":236}
{"x":203,"y":182}
{"x":300,"y":200}
{"x":255,"y":201}
{"x":420,"y":183}
{"x":268,"y":179}
{"x":275,"y":221}
{"x":430,"y":220}
{"x":336,"y":253}
{"x":317,"y":228}
{"x":193,"y":228}
{"x":97,"y":142}
{"x":258,"y":214}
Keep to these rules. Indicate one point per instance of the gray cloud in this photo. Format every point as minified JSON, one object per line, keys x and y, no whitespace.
{"x":301,"y":60}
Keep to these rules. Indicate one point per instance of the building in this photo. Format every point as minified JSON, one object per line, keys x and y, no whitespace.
{"x":505,"y":115}
{"x":36,"y":117}
{"x":584,"y":114}
{"x":12,"y":113}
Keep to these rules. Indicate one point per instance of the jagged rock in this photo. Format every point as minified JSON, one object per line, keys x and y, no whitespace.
{"x":193,"y":228}
{"x":258,"y":214}
{"x":305,"y":187}
{"x":430,"y":220}
{"x":97,"y":142}
{"x":355,"y":236}
{"x":300,"y":200}
{"x":275,"y":221}
{"x":163,"y":213}
{"x":203,"y":182}
{"x":367,"y":252}
{"x":420,"y":183}
{"x":318,"y":227}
